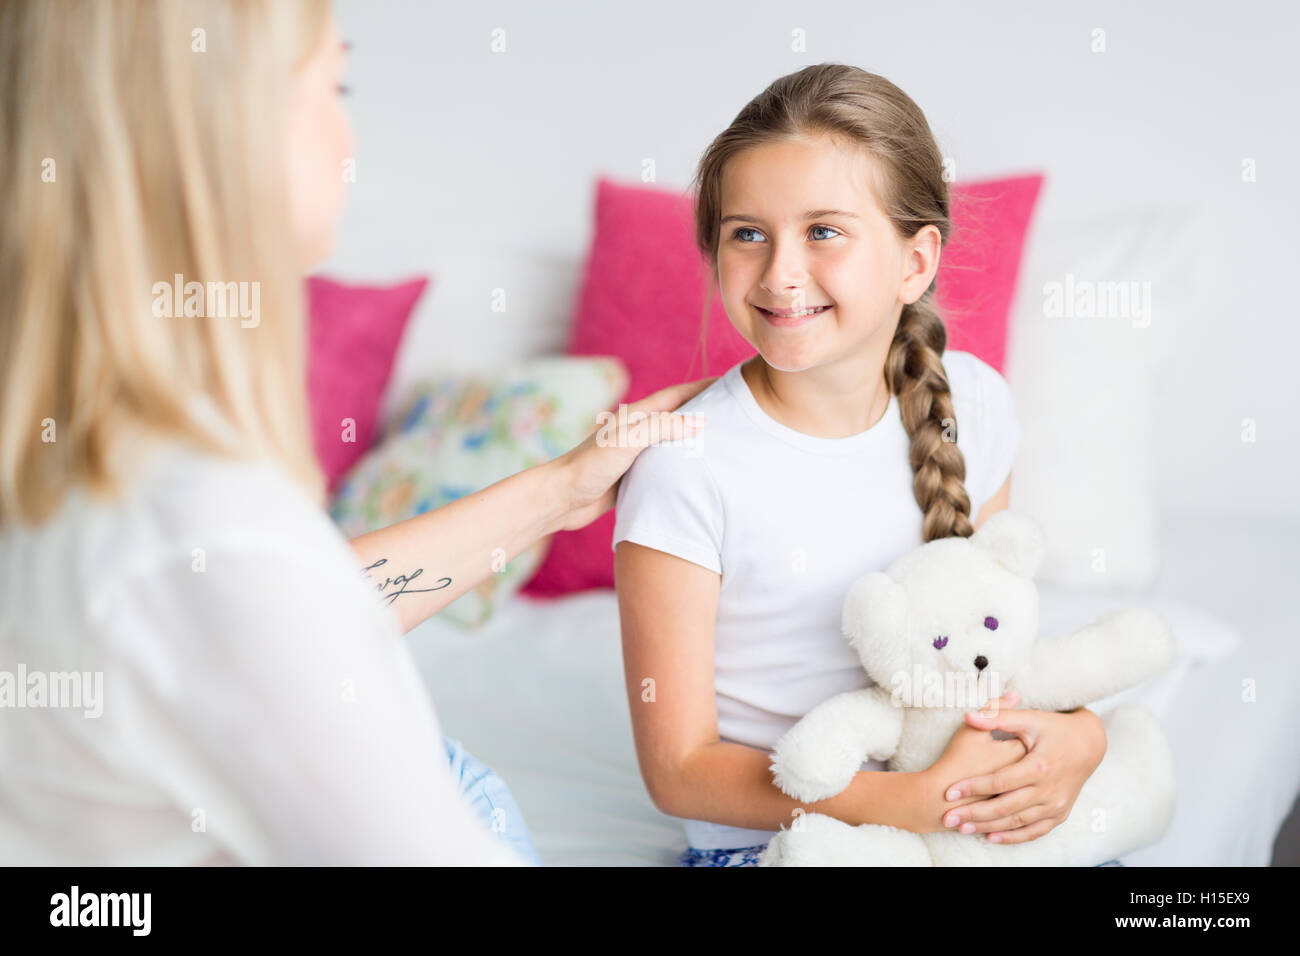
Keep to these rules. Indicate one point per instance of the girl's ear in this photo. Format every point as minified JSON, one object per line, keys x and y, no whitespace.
{"x":1015,"y":541}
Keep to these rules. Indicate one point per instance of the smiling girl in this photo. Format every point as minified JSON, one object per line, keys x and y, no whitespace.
{"x":850,"y":439}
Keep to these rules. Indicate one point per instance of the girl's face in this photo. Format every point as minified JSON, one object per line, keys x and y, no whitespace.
{"x":319,"y":140}
{"x":802,"y":230}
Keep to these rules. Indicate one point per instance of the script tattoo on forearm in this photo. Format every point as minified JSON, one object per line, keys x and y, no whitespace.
{"x":401,"y":584}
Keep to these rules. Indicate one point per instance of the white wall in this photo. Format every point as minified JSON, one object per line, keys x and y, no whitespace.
{"x":461,"y":148}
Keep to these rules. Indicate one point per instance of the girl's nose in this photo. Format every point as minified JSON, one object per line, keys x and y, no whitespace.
{"x":785,"y":271}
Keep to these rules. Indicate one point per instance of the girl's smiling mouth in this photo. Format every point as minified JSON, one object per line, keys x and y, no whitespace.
{"x":789,"y":317}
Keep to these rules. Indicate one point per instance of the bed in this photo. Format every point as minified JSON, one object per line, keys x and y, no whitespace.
{"x":538,"y":695}
{"x":1110,"y":455}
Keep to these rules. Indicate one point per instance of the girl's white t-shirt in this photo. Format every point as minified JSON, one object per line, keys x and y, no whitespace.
{"x":790,"y":521}
{"x":221,"y":686}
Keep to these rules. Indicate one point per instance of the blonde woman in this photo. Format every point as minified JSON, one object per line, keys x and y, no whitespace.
{"x":195,"y":668}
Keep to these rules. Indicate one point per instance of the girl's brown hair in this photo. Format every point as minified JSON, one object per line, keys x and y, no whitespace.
{"x":868,"y":110}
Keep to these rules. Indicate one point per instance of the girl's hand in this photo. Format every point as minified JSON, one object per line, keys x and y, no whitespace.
{"x":593,"y":469}
{"x":1037,"y":793}
{"x":969,"y":752}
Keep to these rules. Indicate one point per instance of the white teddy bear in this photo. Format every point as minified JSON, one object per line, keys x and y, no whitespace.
{"x":948,"y":628}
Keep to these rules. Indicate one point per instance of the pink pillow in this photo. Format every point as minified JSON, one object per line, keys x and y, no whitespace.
{"x":981,"y":260}
{"x":643,"y":297}
{"x":353,"y":337}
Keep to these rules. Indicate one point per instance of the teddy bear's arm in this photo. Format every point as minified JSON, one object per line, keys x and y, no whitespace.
{"x":1112,"y":654}
{"x":818,"y":756}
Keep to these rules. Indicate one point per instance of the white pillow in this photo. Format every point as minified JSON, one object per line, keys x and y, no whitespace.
{"x":1082,"y":376}
{"x":485,"y":311}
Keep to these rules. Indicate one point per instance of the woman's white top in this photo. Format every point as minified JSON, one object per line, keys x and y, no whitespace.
{"x":200,"y":674}
{"x":790,"y":521}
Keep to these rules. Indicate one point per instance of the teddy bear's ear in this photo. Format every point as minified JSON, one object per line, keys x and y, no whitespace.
{"x":1014,"y":540}
{"x":875,"y":622}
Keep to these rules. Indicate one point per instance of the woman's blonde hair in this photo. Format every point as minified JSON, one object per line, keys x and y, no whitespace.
{"x":141,"y":140}
{"x":867,"y":110}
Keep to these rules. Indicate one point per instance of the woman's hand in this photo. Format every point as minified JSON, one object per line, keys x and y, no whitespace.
{"x":1037,"y":793}
{"x":594,"y":468}
{"x":969,"y":752}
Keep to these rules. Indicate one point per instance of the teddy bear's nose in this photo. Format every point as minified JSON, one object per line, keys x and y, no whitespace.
{"x":981,"y":662}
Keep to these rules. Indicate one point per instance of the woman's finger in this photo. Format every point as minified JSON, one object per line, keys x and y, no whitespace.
{"x":673,"y":427}
{"x":668,"y":399}
{"x":1024,"y":834}
{"x":650,"y":428}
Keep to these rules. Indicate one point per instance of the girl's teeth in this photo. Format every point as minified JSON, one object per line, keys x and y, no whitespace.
{"x":795,"y":315}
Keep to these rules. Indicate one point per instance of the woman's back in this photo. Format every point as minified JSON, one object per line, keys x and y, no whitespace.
{"x":242,"y":696}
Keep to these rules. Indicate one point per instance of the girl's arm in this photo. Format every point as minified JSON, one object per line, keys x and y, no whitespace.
{"x":667,"y":606}
{"x":1026,"y":800}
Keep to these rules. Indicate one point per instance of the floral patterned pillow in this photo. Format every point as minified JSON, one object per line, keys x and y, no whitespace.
{"x":459,"y":433}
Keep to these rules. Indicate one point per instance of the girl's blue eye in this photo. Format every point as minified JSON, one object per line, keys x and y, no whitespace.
{"x":744,"y":231}
{"x":834,"y":232}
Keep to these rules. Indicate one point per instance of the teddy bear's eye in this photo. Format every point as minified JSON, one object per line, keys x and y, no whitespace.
{"x":940,"y":643}
{"x":991,"y":623}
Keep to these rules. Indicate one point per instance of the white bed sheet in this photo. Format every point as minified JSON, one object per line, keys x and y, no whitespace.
{"x":538,"y":695}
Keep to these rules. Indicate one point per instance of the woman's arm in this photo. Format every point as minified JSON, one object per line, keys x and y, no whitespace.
{"x":421,"y":565}
{"x":667,"y":606}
